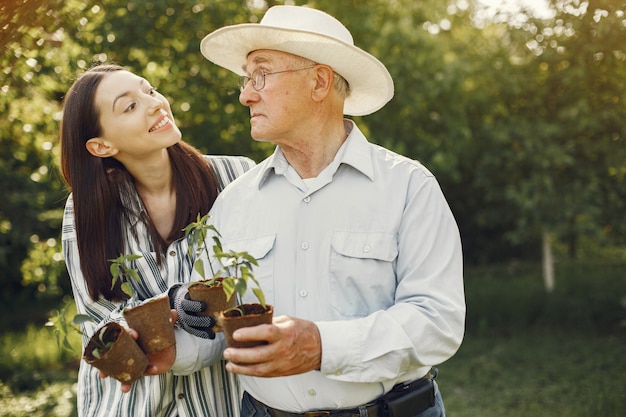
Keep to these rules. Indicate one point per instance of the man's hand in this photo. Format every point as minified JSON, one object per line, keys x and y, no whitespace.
{"x":294,"y":347}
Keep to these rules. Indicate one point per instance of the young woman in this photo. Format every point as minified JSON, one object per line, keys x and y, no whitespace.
{"x":134,"y":187}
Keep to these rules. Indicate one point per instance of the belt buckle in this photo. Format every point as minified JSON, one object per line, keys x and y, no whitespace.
{"x":316,"y":413}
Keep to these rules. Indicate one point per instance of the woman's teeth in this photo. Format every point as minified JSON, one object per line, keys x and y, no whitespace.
{"x":160,"y":124}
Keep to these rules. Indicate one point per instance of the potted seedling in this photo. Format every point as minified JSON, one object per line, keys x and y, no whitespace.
{"x":114,"y":352}
{"x":152,"y":318}
{"x":237,"y":273}
{"x":208,"y":289}
{"x":111,"y":349}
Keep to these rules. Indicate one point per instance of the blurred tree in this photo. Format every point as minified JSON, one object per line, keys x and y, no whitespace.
{"x":549,"y":156}
{"x":33,"y":77}
{"x":520,"y":119}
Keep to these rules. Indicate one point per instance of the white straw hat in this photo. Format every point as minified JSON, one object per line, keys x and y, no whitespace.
{"x":311,"y":34}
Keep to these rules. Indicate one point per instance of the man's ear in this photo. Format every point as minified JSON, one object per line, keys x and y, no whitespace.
{"x":100,"y":148}
{"x":324,"y":82}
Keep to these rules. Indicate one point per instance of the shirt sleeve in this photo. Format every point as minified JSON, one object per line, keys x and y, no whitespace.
{"x":194,"y":353}
{"x":425,"y":325}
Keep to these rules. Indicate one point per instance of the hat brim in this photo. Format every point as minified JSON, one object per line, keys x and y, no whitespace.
{"x":371,"y":85}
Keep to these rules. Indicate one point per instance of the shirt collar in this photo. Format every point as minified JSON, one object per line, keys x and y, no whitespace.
{"x":354,"y":152}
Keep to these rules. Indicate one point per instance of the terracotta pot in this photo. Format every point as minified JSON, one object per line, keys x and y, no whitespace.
{"x":153,"y":322}
{"x":232,"y":320}
{"x":124,"y":360}
{"x":214,"y":298}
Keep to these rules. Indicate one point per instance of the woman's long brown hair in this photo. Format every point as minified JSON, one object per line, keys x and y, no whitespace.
{"x":99,"y":185}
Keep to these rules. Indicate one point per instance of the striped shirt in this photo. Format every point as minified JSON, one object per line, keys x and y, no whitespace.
{"x":202,"y":389}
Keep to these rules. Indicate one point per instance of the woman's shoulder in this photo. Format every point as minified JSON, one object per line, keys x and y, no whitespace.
{"x":228,"y":167}
{"x":231,"y":160}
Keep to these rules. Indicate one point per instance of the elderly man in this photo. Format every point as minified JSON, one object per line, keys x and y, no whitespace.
{"x":358,"y":250}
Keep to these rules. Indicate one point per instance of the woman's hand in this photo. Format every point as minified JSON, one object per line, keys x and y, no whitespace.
{"x":158,"y":362}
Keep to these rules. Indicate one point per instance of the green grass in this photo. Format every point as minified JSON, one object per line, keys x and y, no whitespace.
{"x":525,"y":354}
{"x":37,"y":377}
{"x":537,"y":373}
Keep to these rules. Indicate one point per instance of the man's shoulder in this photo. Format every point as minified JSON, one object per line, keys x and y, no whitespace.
{"x":389,"y":158}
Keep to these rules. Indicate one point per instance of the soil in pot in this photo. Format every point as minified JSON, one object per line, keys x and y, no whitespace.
{"x":214,"y":298}
{"x":114,"y":352}
{"x":153,"y":322}
{"x":232,"y":320}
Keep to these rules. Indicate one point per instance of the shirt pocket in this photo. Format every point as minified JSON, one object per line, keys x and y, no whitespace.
{"x":362,"y":276}
{"x":259,"y":248}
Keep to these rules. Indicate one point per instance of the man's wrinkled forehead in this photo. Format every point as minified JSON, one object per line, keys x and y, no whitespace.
{"x":270,"y":57}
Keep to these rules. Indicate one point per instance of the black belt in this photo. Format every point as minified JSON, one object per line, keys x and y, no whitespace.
{"x":377,"y":408}
{"x":371,"y":409}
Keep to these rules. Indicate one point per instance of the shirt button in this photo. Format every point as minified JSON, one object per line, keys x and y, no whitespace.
{"x":366,"y":248}
{"x":172,"y":253}
{"x":181,"y":396}
{"x":303,"y":293}
{"x":304,"y":245}
{"x":312,"y":392}
{"x":307,"y":199}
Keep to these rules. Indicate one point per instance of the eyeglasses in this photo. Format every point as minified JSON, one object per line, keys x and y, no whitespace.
{"x":258,"y":77}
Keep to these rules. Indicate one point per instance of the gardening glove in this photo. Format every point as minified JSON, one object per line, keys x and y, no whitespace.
{"x":187,"y":310}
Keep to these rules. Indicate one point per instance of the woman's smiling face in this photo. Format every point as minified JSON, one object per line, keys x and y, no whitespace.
{"x":135,"y":119}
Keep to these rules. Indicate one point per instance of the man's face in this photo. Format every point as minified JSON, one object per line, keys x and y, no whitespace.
{"x":280,"y":109}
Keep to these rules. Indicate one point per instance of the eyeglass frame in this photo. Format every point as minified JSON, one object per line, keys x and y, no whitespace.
{"x":244,"y":79}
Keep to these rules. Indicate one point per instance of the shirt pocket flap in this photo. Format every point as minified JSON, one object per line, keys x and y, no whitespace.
{"x":258,"y":247}
{"x":369,"y":245}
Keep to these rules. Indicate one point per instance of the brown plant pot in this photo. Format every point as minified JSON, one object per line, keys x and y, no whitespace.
{"x":153,"y":322}
{"x":214,"y":298}
{"x":124,"y":360}
{"x":232,"y":320}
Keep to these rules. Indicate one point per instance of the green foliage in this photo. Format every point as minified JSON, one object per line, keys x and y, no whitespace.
{"x":507,"y":299}
{"x":196,"y":234}
{"x":29,"y":358}
{"x":102,"y":346}
{"x":237,"y":271}
{"x":520,"y":118}
{"x":63,"y":328}
{"x":121,"y":271}
{"x":236,"y":268}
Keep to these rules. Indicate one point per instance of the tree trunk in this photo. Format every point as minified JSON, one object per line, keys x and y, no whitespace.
{"x":548,"y":262}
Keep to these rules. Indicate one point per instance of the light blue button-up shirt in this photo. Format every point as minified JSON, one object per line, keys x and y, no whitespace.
{"x":369,"y":251}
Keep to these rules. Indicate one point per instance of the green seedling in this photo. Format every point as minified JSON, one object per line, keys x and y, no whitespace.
{"x":62,"y":326}
{"x":236,"y":266}
{"x":120,"y":271}
{"x":196,"y":234}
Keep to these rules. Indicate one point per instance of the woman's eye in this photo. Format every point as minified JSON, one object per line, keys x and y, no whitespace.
{"x":130,"y":107}
{"x":152,"y":91}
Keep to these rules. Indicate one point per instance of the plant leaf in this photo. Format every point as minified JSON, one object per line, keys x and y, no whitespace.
{"x":115,"y":270}
{"x":228,"y":285}
{"x":81,"y":318}
{"x":199,"y":267}
{"x":260,"y":296}
{"x":127,"y":288}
